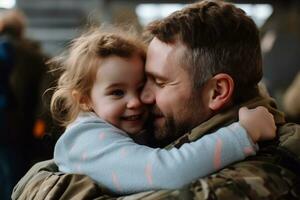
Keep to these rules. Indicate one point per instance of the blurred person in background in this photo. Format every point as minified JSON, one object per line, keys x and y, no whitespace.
{"x":7,"y":110}
{"x":281,"y":49}
{"x":21,"y":72}
{"x":291,"y":100}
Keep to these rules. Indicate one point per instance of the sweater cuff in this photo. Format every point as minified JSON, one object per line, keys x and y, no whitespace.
{"x":248,"y":146}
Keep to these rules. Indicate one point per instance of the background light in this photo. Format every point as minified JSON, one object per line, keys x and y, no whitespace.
{"x":7,"y":4}
{"x":148,"y":12}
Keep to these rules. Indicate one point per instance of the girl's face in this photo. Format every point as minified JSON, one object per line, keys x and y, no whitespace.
{"x":115,"y":95}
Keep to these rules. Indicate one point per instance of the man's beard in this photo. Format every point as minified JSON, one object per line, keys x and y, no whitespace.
{"x":172,"y":129}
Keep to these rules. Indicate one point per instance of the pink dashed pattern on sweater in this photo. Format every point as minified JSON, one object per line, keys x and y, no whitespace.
{"x":148,"y":173}
{"x":217,"y":155}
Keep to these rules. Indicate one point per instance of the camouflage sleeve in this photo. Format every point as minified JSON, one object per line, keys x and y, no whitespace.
{"x":244,"y":180}
{"x":256,"y":179}
{"x":43,"y":181}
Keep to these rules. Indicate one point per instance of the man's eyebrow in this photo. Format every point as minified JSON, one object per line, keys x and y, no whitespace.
{"x":156,"y":76}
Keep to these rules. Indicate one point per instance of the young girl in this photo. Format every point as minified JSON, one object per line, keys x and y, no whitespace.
{"x":97,"y":99}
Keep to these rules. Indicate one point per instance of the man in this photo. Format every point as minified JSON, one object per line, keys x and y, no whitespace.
{"x":203,"y":63}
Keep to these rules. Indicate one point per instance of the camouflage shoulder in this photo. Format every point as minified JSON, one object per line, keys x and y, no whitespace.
{"x":244,"y":180}
{"x":249,"y":180}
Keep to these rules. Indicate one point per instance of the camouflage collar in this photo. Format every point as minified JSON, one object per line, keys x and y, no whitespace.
{"x":227,"y":117}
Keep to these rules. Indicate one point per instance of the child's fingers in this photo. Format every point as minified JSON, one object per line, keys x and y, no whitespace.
{"x":270,"y":131}
{"x":243,"y":110}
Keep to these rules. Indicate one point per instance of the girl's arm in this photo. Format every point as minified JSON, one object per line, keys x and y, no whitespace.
{"x":114,"y":160}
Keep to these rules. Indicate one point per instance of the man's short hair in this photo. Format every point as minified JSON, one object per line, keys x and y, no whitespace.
{"x":220,"y":38}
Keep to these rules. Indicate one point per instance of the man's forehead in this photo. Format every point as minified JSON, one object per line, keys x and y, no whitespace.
{"x":162,"y":50}
{"x":159,"y":49}
{"x":160,"y":56}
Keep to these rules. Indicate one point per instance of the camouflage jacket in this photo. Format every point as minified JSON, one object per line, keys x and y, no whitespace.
{"x":272,"y":174}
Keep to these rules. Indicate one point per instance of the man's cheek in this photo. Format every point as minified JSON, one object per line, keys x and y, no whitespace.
{"x":159,"y":122}
{"x":163,"y":105}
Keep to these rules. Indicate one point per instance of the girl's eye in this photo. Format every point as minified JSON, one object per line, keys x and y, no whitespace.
{"x":117,"y":93}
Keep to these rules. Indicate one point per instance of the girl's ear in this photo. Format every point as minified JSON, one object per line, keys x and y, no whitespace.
{"x":82,"y":100}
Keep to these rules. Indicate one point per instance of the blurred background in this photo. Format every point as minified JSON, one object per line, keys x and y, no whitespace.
{"x":33,"y":31}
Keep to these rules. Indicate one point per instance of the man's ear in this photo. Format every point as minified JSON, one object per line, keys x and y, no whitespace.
{"x":82,"y":100}
{"x":221,"y":91}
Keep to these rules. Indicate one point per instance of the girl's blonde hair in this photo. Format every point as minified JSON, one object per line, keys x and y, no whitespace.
{"x":78,"y":67}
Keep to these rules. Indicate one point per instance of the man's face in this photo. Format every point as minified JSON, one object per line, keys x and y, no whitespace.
{"x":177,"y":108}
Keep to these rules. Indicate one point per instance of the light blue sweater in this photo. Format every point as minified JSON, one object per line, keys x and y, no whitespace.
{"x":108,"y":155}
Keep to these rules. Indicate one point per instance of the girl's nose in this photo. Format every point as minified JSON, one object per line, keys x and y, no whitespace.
{"x":134,"y":102}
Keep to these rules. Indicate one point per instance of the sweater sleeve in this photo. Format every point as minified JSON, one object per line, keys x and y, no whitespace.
{"x":114,"y":160}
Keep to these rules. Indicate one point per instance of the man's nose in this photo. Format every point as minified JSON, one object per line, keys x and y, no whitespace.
{"x":147,"y":95}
